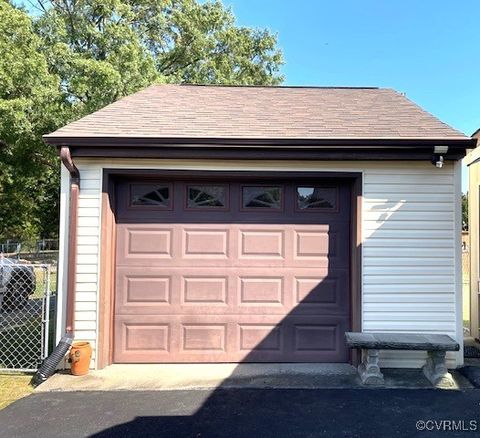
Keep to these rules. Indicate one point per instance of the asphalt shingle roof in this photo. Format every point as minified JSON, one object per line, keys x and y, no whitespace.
{"x":192,"y":111}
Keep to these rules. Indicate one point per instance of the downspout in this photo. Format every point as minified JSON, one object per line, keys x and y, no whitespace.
{"x":67,"y":161}
{"x":49,"y":365}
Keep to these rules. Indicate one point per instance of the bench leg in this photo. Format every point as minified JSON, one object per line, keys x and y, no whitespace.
{"x":369,"y":370}
{"x":436,"y":370}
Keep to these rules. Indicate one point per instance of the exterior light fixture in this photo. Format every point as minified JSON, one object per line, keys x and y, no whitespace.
{"x":438,"y":153}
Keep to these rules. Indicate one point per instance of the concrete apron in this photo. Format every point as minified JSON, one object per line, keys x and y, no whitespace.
{"x":157,"y":377}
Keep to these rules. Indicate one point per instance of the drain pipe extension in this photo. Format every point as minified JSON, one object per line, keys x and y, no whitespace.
{"x":49,"y":365}
{"x":72,"y":236}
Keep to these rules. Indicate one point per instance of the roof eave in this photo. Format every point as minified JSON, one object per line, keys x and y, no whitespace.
{"x":104,"y":141}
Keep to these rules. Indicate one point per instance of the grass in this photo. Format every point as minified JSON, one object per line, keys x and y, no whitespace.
{"x":13,"y":387}
{"x":40,"y":283}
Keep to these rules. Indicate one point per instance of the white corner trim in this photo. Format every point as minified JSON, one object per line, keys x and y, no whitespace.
{"x":458,"y":259}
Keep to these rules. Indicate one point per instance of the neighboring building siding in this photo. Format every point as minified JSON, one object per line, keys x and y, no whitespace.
{"x":473,"y":162}
{"x":411,"y":251}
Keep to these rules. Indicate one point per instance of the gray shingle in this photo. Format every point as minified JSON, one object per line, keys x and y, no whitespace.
{"x":185,"y":111}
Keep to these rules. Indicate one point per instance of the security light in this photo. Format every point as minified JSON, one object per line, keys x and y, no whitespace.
{"x":439,"y":161}
{"x":438,"y":153}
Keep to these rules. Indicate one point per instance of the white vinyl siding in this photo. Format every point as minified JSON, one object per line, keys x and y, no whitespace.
{"x":409,"y":252}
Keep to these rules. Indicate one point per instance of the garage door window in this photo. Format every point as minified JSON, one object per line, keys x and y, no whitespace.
{"x":316,"y":198}
{"x":152,"y":195}
{"x":262,"y":197}
{"x":207,"y":196}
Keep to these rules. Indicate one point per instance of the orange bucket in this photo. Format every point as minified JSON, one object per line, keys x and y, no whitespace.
{"x":79,"y":358}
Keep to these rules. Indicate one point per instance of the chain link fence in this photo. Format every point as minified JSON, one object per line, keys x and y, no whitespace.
{"x":32,"y":251}
{"x":27,"y":303}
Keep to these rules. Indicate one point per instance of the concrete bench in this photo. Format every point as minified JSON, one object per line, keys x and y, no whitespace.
{"x":435,"y":369}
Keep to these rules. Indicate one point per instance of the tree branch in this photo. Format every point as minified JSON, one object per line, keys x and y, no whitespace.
{"x":38,"y":5}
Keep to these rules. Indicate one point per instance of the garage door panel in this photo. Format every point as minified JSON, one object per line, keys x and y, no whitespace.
{"x":142,"y":341}
{"x":326,"y":340}
{"x":233,"y":338}
{"x":201,"y":290}
{"x":264,"y":290}
{"x":205,"y":337}
{"x":260,"y":337}
{"x":218,"y":277}
{"x":320,"y":247}
{"x":151,"y":290}
{"x":205,"y":243}
{"x":144,"y":244}
{"x":258,"y":243}
{"x":237,"y":291}
{"x":239,"y":245}
{"x":294,"y":245}
{"x":321,"y":294}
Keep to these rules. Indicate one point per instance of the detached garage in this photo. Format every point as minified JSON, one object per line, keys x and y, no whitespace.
{"x":258,"y":224}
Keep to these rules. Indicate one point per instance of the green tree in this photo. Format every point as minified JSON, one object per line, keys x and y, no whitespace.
{"x":464,"y":211}
{"x":30,"y":105}
{"x":96,"y":53}
{"x":103,"y":50}
{"x":72,"y":57}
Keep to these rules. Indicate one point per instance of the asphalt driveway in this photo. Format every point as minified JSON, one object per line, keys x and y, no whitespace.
{"x":245,"y":413}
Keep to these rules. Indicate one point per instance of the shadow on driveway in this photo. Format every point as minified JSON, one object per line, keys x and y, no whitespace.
{"x":240,"y":413}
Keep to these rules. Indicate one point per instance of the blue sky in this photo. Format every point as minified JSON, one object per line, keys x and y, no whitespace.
{"x":427,"y":49}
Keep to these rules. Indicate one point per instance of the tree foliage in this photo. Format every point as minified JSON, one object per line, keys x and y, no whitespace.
{"x":69,"y":58}
{"x":30,"y":105}
{"x":464,"y":211}
{"x":103,"y":50}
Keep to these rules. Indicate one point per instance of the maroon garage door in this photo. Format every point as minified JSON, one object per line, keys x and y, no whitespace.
{"x":222,"y":271}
